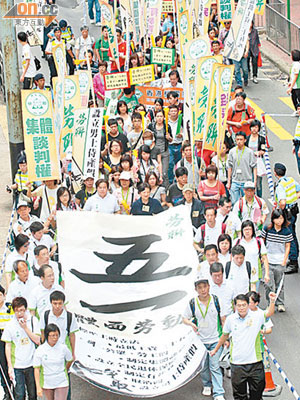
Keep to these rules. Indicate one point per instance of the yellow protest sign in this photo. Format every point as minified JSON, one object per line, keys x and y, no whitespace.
{"x":224,"y":82}
{"x":39,"y":136}
{"x":185,"y":35}
{"x":107,"y":16}
{"x":162,"y":56}
{"x":85,"y":83}
{"x":226,"y":10}
{"x":203,"y":74}
{"x":139,"y":75}
{"x":72,"y":102}
{"x":119,"y":80}
{"x":260,"y":7}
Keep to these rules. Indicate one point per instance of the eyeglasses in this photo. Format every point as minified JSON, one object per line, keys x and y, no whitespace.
{"x":26,"y":245}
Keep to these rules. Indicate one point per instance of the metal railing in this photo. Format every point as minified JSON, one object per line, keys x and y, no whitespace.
{"x":281,"y":31}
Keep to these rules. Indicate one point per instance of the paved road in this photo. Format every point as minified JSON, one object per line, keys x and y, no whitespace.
{"x":284,"y":340}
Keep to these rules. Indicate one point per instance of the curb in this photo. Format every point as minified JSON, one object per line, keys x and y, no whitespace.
{"x":275,"y":59}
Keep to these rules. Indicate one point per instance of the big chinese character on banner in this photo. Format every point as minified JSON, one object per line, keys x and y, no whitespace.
{"x":128,"y":288}
{"x":39,"y":136}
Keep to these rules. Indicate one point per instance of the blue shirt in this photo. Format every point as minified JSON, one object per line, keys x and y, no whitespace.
{"x":280,"y":190}
{"x":153,"y":207}
{"x":168,"y":24}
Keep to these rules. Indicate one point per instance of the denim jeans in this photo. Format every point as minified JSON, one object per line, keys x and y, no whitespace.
{"x":25,"y":376}
{"x":294,"y":251}
{"x":243,"y":63}
{"x":236,"y":191}
{"x":297,"y":147}
{"x":91,"y":10}
{"x":211,"y":373}
{"x":175,"y":156}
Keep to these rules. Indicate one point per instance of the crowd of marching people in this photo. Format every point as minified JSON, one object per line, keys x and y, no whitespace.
{"x":149,"y":163}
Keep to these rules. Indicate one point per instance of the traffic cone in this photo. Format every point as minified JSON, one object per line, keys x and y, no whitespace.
{"x":271,"y":389}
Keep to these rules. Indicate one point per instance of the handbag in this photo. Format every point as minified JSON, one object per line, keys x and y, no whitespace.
{"x":261,"y":168}
{"x":37,"y":63}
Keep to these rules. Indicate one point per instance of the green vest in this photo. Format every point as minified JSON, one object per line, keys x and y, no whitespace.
{"x":289,"y":185}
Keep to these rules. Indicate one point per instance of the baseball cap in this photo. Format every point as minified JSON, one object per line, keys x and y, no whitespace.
{"x":38,"y":77}
{"x":201,"y":280}
{"x":87,"y":176}
{"x":187,"y":187}
{"x":249,"y":185}
{"x":125,"y":175}
{"x":22,"y":204}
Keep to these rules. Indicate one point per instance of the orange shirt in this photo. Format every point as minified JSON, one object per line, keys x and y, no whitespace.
{"x":240,"y":116}
{"x":122,"y":50}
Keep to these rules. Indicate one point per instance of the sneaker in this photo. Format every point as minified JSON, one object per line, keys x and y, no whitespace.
{"x":219,"y":398}
{"x":206,"y":391}
{"x":92,"y":21}
{"x":255,"y":80}
{"x":281,"y":308}
{"x":98,"y":24}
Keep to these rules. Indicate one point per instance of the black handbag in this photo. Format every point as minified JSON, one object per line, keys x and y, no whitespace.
{"x":37,"y":63}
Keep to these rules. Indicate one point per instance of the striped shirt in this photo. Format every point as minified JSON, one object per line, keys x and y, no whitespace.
{"x":275,"y":243}
{"x":21,"y":180}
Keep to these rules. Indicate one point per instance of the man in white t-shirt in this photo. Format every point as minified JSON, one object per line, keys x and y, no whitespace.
{"x":211,"y":256}
{"x":39,"y":300}
{"x":24,"y":282}
{"x":220,"y":288}
{"x":29,"y":69}
{"x":25,"y":219}
{"x":21,"y":335}
{"x":238,"y":271}
{"x":83,"y":43}
{"x":42,"y":257}
{"x":205,"y":310}
{"x":39,"y":237}
{"x":226,"y":216}
{"x":209,"y":232}
{"x":247,"y":367}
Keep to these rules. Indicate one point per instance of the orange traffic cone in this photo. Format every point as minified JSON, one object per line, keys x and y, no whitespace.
{"x":271,"y":389}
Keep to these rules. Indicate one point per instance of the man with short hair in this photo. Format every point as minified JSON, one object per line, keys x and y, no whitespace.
{"x":174,"y":192}
{"x":242,"y":166}
{"x":145,"y":205}
{"x":173,"y":81}
{"x":24,"y":282}
{"x":102,"y":201}
{"x":240,"y":115}
{"x":220,"y":288}
{"x":39,"y":299}
{"x":39,"y":81}
{"x":205,"y":309}
{"x":251,"y":207}
{"x":135,"y":136}
{"x":238,"y":272}
{"x":83,"y":43}
{"x":102,"y":46}
{"x":211,"y":256}
{"x":195,"y":206}
{"x":122,"y":49}
{"x":247,"y":368}
{"x":25,"y":219}
{"x":130,"y":98}
{"x":113,"y":134}
{"x":21,"y":335}
{"x":175,"y":124}
{"x":209,"y":232}
{"x":286,"y":196}
{"x":39,"y":237}
{"x":42,"y":257}
{"x":226,"y":216}
{"x":190,"y":163}
{"x":29,"y":69}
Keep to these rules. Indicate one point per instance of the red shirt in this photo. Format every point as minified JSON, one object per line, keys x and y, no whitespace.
{"x":122,"y":50}
{"x":241,"y":115}
{"x":208,"y":191}
{"x":206,"y":155}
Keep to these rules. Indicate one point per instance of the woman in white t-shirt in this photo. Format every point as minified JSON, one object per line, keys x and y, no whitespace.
{"x":224,"y":248}
{"x":294,"y":83}
{"x":256,"y":253}
{"x":51,"y":360}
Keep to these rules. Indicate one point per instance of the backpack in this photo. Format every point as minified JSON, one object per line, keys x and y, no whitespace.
{"x":203,"y":231}
{"x":241,"y":206}
{"x":69,"y":320}
{"x":218,"y":308}
{"x":234,"y":111}
{"x":228,"y":266}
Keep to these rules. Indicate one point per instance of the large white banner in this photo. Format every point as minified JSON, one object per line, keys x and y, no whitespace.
{"x":128,"y":279}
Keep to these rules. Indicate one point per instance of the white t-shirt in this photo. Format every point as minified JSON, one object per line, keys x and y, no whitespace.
{"x":106,"y":205}
{"x":27,"y":55}
{"x":252,"y":255}
{"x":46,"y":240}
{"x":39,"y":299}
{"x":49,"y":200}
{"x":225,"y":295}
{"x":82,"y":45}
{"x":223,"y":167}
{"x":211,"y":234}
{"x":52,"y":359}
{"x":22,"y":347}
{"x":24,"y":225}
{"x":295,"y":71}
{"x":208,"y":326}
{"x":18,"y":288}
{"x":238,"y":279}
{"x":223,"y":259}
{"x":55,"y":268}
{"x":245,"y":343}
{"x":62,"y":323}
{"x":247,"y":210}
{"x":203,"y":271}
{"x":14,"y":256}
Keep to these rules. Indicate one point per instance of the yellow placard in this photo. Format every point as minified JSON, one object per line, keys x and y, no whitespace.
{"x":185,"y":35}
{"x":72,"y":102}
{"x":203,"y":74}
{"x":39,"y":136}
{"x":260,"y":7}
{"x":139,"y":75}
{"x":85,"y":83}
{"x":119,"y":80}
{"x":224,"y":83}
{"x":226,"y":10}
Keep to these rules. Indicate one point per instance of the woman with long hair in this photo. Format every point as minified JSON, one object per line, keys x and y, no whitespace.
{"x":156,"y":191}
{"x":146,"y":163}
{"x":278,"y":238}
{"x":256,"y":253}
{"x":123,"y":112}
{"x":115,"y":149}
